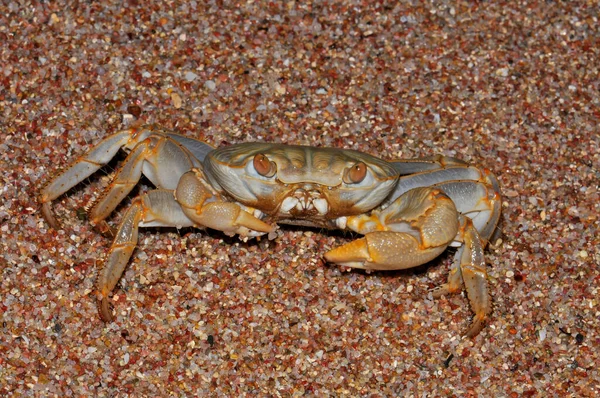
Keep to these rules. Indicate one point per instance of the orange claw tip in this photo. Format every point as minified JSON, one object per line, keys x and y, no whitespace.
{"x":247,"y":220}
{"x":353,"y":254}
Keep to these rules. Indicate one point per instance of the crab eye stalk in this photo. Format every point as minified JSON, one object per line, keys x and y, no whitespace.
{"x":264,"y":166}
{"x":356,"y":173}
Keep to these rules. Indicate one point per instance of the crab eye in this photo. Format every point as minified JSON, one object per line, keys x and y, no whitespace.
{"x":264,"y":166}
{"x":356,"y":173}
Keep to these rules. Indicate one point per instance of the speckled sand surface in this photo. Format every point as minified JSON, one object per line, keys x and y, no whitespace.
{"x":511,"y":86}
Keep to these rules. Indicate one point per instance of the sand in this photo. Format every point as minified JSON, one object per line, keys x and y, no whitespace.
{"x":510,"y":86}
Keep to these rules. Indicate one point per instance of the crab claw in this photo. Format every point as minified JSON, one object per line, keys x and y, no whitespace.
{"x":198,"y":203}
{"x":383,"y":250}
{"x":230,"y":218}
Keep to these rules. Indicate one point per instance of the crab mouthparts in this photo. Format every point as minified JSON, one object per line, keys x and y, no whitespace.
{"x":303,"y":201}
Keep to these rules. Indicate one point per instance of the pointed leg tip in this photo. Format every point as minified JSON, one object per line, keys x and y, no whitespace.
{"x":104,"y":229}
{"x":445,"y":290}
{"x":49,"y":215}
{"x":439,"y":291}
{"x":476,"y":327}
{"x":105,"y":310}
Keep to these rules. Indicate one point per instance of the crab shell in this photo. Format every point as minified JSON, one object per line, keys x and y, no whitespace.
{"x":307,"y":186}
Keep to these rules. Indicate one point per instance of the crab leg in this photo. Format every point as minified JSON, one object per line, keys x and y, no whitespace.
{"x":475,"y":192}
{"x":429,"y":163}
{"x":469,"y":269}
{"x":155,"y":208}
{"x":161,"y":159}
{"x":148,"y":148}
{"x":159,"y":208}
{"x":79,"y":170}
{"x":478,"y":201}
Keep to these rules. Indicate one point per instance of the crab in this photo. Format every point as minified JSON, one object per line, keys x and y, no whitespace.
{"x":407,"y":211}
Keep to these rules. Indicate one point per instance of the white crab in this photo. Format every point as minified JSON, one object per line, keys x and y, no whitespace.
{"x":409,"y":211}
